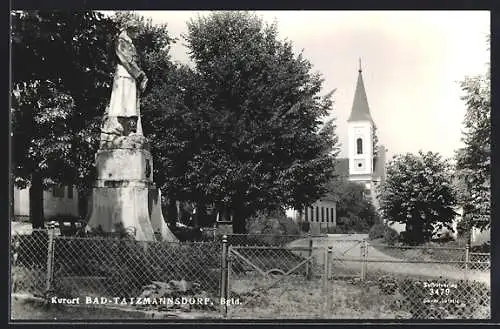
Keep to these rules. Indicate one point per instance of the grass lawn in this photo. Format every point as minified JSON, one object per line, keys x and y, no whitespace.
{"x":297,"y":298}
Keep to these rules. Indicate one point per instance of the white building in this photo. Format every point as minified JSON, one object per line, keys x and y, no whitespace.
{"x":57,"y":201}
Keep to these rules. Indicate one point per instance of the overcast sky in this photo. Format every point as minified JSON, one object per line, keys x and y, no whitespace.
{"x":412,"y":62}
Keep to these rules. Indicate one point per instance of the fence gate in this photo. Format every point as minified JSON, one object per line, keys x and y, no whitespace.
{"x":348,"y":259}
{"x":259,"y":275}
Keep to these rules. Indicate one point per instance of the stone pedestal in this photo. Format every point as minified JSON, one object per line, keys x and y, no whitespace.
{"x":125,"y":194}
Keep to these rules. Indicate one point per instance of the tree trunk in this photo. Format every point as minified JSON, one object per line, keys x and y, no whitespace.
{"x":171,"y":215}
{"x":83,"y":200}
{"x":201,"y":212}
{"x":36,"y":201}
{"x":12,"y":192}
{"x":239,"y":219}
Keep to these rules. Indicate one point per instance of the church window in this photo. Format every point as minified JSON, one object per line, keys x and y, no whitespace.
{"x":322,"y":214}
{"x":317,"y":213}
{"x":359,"y":146}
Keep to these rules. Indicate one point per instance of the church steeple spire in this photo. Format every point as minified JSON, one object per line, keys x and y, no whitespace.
{"x":360,"y":110}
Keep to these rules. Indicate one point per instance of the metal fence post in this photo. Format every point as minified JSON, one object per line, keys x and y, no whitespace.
{"x":467,"y":259}
{"x":309,"y":263}
{"x":362,"y":260}
{"x":224,"y":272}
{"x":50,"y":256}
{"x":365,"y":258}
{"x":326,"y":291}
{"x":227,"y":314}
{"x":325,"y":270}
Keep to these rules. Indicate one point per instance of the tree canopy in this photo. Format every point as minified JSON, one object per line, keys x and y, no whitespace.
{"x":62,"y":70}
{"x":418,"y":192}
{"x":261,"y":145}
{"x":473,"y":161}
{"x":355,"y":212}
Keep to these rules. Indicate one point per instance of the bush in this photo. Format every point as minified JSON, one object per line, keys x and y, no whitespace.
{"x":275,"y":224}
{"x":383,"y":231}
{"x":391,"y":236}
{"x":377,"y":231}
{"x":443,"y":238}
{"x":463,"y":228}
{"x":341,"y":229}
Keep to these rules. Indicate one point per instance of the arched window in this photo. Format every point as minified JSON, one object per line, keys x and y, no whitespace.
{"x":359,"y":146}
{"x":317,"y":213}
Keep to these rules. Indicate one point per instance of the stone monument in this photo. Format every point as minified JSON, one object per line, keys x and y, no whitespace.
{"x":124,"y":192}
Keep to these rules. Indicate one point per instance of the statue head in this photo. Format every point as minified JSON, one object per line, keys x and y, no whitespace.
{"x":131,"y":26}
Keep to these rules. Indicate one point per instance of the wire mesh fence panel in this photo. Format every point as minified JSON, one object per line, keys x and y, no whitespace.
{"x":480,"y":262}
{"x":122,"y":269}
{"x":261,"y":277}
{"x":29,"y":255}
{"x":346,"y":259}
{"x":412,"y":283}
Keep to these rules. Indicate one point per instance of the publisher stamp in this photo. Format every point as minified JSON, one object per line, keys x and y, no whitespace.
{"x":440,"y":293}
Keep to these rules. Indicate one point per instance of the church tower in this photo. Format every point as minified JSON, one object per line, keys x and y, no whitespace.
{"x":360,"y":131}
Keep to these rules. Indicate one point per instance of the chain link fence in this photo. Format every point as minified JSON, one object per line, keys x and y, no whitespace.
{"x":257,"y":276}
{"x":29,"y":260}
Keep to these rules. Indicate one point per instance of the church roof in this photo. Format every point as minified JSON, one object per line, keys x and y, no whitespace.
{"x":360,"y":110}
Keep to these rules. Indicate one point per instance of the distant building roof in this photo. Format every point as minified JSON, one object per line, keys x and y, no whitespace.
{"x":360,"y":110}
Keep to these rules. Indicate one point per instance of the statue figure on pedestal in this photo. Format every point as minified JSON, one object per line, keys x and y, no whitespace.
{"x":122,"y":117}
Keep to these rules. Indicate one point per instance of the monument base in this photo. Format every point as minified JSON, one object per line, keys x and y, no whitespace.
{"x":124,"y":193}
{"x":138,"y":209}
{"x":127,"y":206}
{"x":160,"y":227}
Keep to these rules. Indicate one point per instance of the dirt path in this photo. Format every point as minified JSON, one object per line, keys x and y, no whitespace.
{"x":347,"y":247}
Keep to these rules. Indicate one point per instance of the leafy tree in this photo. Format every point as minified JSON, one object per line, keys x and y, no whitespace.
{"x":473,"y":161}
{"x":375,"y":143}
{"x":261,"y":147}
{"x":63,"y":64}
{"x":61,"y":77}
{"x":418,"y":193}
{"x":355,"y":213}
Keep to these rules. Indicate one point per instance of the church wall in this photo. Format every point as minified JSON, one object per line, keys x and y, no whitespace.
{"x":360,"y":164}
